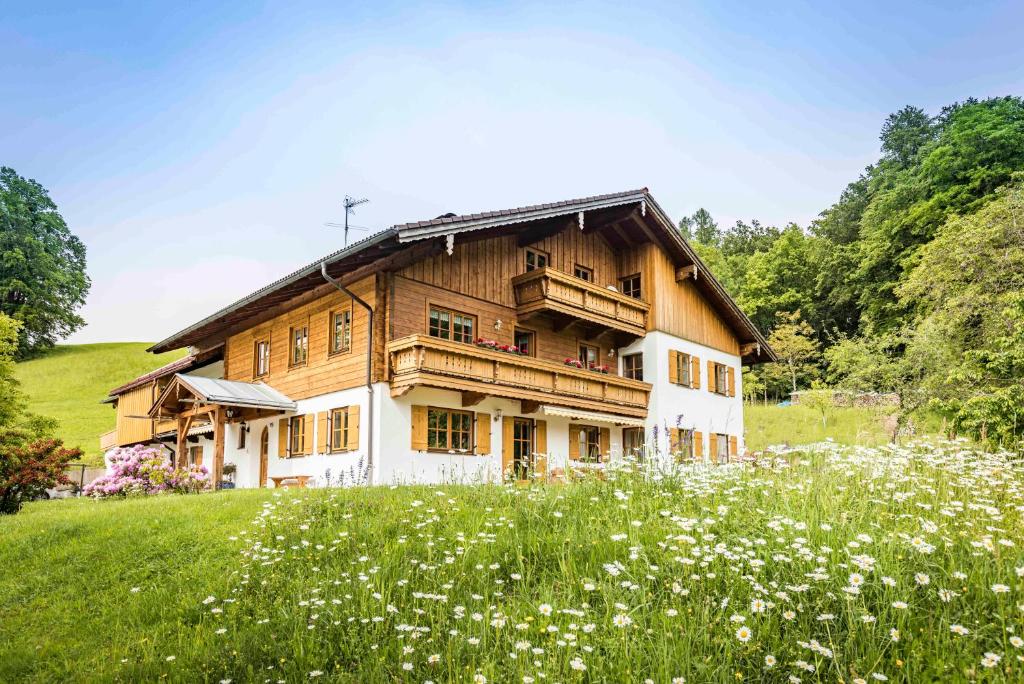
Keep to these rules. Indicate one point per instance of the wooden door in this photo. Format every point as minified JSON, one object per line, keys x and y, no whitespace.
{"x":522,"y":448}
{"x":264,"y":455}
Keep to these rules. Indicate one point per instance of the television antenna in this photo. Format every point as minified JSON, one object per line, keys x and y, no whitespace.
{"x":349,"y":205}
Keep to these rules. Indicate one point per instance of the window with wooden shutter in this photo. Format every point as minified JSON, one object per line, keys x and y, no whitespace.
{"x":680,"y":368}
{"x":483,"y":434}
{"x":713,"y":445}
{"x":540,"y":442}
{"x":282,"y":437}
{"x":720,"y":449}
{"x":673,"y":366}
{"x":323,"y":432}
{"x":606,"y":443}
{"x":507,"y":445}
{"x":574,"y":442}
{"x":733,"y":446}
{"x":731,"y":381}
{"x":694,"y":372}
{"x":419,"y":428}
{"x":352,"y":432}
{"x":698,"y":444}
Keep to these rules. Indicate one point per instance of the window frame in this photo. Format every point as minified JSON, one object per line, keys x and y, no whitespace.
{"x":452,"y":315}
{"x":296,"y":430}
{"x":448,"y":430}
{"x":192,"y":451}
{"x":686,"y":436}
{"x":256,"y":357}
{"x":586,"y":445}
{"x":597,"y":354}
{"x":632,"y":374}
{"x":684,"y":369}
{"x":722,"y":447}
{"x":721,"y":371}
{"x":538,"y":254}
{"x":626,"y":449}
{"x":332,"y":330}
{"x":588,"y":272}
{"x":292,"y":363}
{"x":332,"y":446}
{"x":629,"y":292}
{"x":532,"y":347}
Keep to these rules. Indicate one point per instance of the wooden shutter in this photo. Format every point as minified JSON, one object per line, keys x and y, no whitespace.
{"x":199,"y":455}
{"x":323,"y":432}
{"x":606,"y":443}
{"x":698,"y":444}
{"x":694,"y":372}
{"x":307,"y":434}
{"x":353,"y":428}
{"x":673,"y":366}
{"x":673,"y":440}
{"x":507,"y":425}
{"x":483,"y":434}
{"x":733,"y":446}
{"x":712,"y":384}
{"x":574,"y":442}
{"x":713,"y":446}
{"x":282,"y":438}
{"x":419,"y":428}
{"x":540,"y":442}
{"x":731,"y":384}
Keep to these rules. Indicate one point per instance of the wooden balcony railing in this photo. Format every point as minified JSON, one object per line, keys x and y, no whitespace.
{"x":108,"y":440}
{"x":549,"y":290}
{"x":428,"y":361}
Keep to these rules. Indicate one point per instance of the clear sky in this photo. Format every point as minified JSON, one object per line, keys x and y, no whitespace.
{"x":198,"y":153}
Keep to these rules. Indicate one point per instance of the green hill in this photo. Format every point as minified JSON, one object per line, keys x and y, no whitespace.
{"x":70,"y":382}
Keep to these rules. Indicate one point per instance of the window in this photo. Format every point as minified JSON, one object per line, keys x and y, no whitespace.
{"x":299,"y":337}
{"x":683,"y":369}
{"x":195,"y":456}
{"x":631,"y":286}
{"x":590,"y":444}
{"x":588,"y":355}
{"x":633,"y":366}
{"x":450,"y":325}
{"x":721,"y":379}
{"x":449,"y":430}
{"x":722,"y":448}
{"x":536,"y":259}
{"x":339,"y":430}
{"x":583,"y":273}
{"x":633,"y":442}
{"x":242,"y":429}
{"x":683,"y":446}
{"x":525,"y":340}
{"x":297,"y":439}
{"x":341,"y":331}
{"x":261,"y":358}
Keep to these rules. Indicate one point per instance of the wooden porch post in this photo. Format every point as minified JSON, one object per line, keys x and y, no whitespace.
{"x":218,"y":447}
{"x":179,"y":454}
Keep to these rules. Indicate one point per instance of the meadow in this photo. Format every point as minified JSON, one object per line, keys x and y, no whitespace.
{"x":849,"y":564}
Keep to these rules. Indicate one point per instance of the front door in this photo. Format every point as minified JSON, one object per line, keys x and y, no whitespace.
{"x":522,"y":448}
{"x":264,"y":454}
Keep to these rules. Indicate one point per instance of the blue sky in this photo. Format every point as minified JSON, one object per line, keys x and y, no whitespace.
{"x":198,"y":153}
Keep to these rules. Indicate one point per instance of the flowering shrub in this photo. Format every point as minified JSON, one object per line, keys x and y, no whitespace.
{"x":484,"y":342}
{"x":28,"y":470}
{"x":575,"y":363}
{"x":493,"y":344}
{"x":143,"y":470}
{"x":600,"y":369}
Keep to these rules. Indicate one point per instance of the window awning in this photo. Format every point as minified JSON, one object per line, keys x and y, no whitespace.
{"x":590,"y":416}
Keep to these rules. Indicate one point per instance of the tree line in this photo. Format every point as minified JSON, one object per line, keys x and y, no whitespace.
{"x":912,"y":283}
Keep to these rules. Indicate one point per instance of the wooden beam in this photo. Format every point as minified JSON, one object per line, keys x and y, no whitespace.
{"x":563,"y":324}
{"x":750,"y":348}
{"x":184,"y":425}
{"x":526,"y":406}
{"x":686,"y":272}
{"x":472,"y":398}
{"x":218,"y":447}
{"x":202,"y":410}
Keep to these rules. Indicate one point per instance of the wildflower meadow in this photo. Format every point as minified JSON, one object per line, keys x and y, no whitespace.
{"x":830,"y":563}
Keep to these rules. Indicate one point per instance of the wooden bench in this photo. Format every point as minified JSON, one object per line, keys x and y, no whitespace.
{"x":300,"y":480}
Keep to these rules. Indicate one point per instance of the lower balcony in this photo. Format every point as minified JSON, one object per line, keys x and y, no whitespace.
{"x":478,"y":372}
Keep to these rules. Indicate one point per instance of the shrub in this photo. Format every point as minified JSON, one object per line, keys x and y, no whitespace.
{"x":141,"y":470}
{"x":28,"y":470}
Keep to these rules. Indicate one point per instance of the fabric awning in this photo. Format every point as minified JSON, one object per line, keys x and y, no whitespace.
{"x":591,"y":416}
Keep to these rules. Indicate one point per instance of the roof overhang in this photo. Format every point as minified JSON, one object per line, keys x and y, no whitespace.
{"x":591,"y":416}
{"x":190,"y":392}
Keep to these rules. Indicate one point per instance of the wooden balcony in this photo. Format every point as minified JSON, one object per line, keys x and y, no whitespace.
{"x":571,"y":300}
{"x":477,"y":372}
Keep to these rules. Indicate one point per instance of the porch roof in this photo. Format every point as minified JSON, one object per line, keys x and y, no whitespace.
{"x":226,"y":393}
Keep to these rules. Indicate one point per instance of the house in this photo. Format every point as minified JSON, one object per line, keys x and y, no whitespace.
{"x":511,"y":343}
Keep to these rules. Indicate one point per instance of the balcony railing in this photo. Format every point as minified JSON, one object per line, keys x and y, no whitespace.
{"x":108,"y":440}
{"x":428,"y":361}
{"x":551,"y":291}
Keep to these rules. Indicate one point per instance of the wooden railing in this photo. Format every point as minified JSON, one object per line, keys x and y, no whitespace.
{"x":108,"y":440}
{"x":423,"y":360}
{"x":546,"y":289}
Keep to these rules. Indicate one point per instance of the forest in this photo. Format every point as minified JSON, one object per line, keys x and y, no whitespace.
{"x":911,"y":284}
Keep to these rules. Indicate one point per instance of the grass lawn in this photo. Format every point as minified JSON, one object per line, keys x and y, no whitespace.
{"x":70,"y":382}
{"x":767,"y":425}
{"x":840,"y":564}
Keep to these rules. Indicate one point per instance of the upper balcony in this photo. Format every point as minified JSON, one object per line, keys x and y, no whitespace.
{"x":571,"y":300}
{"x":478,"y":372}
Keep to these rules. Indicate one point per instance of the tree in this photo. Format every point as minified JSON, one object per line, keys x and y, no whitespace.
{"x":904,"y":134}
{"x":794,"y":344}
{"x":42,"y":265}
{"x":705,"y":230}
{"x":780,"y":280}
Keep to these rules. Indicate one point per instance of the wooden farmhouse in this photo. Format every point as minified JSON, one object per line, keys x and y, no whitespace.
{"x":509,"y":344}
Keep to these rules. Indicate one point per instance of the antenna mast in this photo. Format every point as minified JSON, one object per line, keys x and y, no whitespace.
{"x":349,"y":204}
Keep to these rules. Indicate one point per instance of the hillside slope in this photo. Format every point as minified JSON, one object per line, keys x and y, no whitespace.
{"x":70,"y":382}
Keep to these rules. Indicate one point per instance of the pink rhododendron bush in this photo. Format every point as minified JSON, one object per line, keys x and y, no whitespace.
{"x":143,"y":470}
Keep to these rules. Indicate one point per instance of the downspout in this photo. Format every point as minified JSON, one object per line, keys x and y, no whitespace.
{"x":369,"y":366}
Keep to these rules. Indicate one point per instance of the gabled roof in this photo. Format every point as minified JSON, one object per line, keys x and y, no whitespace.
{"x":382,"y":248}
{"x":226,"y":393}
{"x":179,"y":366}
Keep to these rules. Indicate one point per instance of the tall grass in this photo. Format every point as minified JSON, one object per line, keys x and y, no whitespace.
{"x":838,"y":564}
